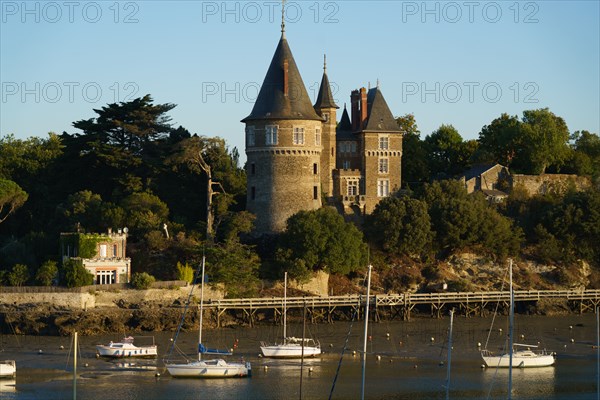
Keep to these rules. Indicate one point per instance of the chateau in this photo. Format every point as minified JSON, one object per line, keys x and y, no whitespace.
{"x":299,"y":157}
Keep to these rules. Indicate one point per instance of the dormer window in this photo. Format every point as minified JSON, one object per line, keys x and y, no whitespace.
{"x":326,"y":117}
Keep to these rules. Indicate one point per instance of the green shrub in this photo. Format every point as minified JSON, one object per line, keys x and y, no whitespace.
{"x":185,"y":272}
{"x":19,"y":275}
{"x":142,"y":280}
{"x":76,"y":275}
{"x":46,"y":273}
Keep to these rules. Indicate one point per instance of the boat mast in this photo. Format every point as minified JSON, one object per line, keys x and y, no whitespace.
{"x":201,"y":308}
{"x":598,"y":353}
{"x":449,"y":355}
{"x":284,"y":305}
{"x":511,"y":322}
{"x":364,"y":354}
{"x":75,"y":365}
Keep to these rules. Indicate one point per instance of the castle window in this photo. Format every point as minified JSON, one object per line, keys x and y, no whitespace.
{"x":298,"y":135}
{"x":271,"y":134}
{"x":383,"y":166}
{"x":353,"y":147}
{"x":103,"y":249}
{"x":318,"y":136}
{"x":315,"y":192}
{"x":346,"y":164}
{"x":315,"y":168}
{"x":384,"y":143}
{"x":253,"y":193}
{"x":353,"y":188}
{"x":114,"y":250}
{"x":383,"y":188}
{"x":326,"y":117}
{"x":250,"y":136}
{"x":253,"y":168}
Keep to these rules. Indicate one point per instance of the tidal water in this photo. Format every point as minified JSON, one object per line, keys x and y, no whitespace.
{"x":410,"y":363}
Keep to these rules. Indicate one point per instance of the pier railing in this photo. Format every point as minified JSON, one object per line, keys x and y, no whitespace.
{"x":471,"y":303}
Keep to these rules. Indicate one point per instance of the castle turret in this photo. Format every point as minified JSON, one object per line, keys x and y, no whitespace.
{"x":284,"y":156}
{"x":326,"y":108}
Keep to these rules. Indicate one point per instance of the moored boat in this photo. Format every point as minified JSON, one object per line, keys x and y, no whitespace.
{"x":126,"y":348}
{"x":525,"y":358}
{"x":8,"y":369}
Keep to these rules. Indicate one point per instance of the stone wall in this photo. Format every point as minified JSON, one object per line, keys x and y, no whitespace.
{"x":545,"y":183}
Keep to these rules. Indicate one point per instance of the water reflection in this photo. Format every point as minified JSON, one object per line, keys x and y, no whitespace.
{"x":532,"y":381}
{"x":8,"y":386}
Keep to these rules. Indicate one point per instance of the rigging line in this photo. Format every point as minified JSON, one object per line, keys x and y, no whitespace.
{"x":487,"y":340}
{"x":337,"y":372}
{"x":187,"y":305}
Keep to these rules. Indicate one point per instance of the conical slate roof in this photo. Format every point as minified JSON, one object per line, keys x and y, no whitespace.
{"x":344,"y":128}
{"x":272,"y":103}
{"x":325,"y":98}
{"x":380,"y":117}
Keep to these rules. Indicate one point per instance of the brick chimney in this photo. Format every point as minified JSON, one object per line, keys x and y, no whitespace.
{"x":363,"y":107}
{"x":354,"y":101}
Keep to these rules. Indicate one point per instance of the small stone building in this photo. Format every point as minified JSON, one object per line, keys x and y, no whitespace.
{"x":491,"y":179}
{"x":102,"y":255}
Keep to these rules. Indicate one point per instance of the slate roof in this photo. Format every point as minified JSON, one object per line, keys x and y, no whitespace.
{"x":271,"y":102}
{"x":379,"y":116}
{"x":344,"y":128}
{"x":477,"y":170}
{"x":325,"y":98}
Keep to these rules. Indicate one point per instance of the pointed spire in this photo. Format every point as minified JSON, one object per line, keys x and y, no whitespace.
{"x":345,"y":124}
{"x":325,"y":98}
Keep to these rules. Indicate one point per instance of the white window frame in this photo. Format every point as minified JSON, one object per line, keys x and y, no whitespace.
{"x":384,"y":165}
{"x":384,"y":142}
{"x":271,"y":135}
{"x":250,"y":136}
{"x":298,"y":136}
{"x":103,"y":250}
{"x":352,"y":188}
{"x":317,"y":136}
{"x":383,"y":187}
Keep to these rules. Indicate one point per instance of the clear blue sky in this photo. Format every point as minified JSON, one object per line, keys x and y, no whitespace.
{"x":461,"y":63}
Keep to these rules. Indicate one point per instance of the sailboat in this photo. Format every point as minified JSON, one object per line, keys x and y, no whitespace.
{"x":519,"y":355}
{"x":212,"y":368}
{"x":8,"y":368}
{"x":290,"y":347}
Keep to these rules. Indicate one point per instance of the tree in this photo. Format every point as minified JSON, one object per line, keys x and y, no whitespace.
{"x":46,"y":274}
{"x":12,"y":197}
{"x":322,"y":240}
{"x":185,"y":272}
{"x":401,"y":226}
{"x":235,"y":265}
{"x":19,"y":275}
{"x":500,"y":141}
{"x":76,"y":275}
{"x":546,"y":136}
{"x":447,"y":153}
{"x":142,"y":280}
{"x":145,"y":211}
{"x":414,"y":155}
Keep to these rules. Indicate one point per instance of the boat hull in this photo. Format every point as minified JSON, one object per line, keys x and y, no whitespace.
{"x":129,"y":351}
{"x":290,"y":351}
{"x":527,"y":360}
{"x":209,"y":369}
{"x":8,"y":369}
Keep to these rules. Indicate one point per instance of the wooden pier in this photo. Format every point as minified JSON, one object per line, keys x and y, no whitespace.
{"x":325,"y":308}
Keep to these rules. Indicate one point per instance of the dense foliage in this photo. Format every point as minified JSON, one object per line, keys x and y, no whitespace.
{"x":129,"y":167}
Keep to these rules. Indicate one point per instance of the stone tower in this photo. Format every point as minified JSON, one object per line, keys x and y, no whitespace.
{"x":325,"y":106}
{"x":282,"y":146}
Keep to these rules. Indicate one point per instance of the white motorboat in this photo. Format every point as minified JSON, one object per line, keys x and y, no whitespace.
{"x":8,"y":369}
{"x":290,"y":347}
{"x":126,"y":348}
{"x":214,"y":368}
{"x":525,"y":358}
